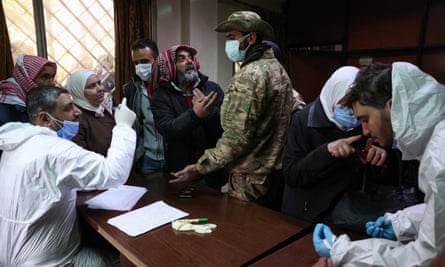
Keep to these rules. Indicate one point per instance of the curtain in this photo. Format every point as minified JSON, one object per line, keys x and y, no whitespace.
{"x":5,"y":48}
{"x":132,"y":20}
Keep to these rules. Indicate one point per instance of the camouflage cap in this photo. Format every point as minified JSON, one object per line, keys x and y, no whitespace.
{"x":246,"y":21}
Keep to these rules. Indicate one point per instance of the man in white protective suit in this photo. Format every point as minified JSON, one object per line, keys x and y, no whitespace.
{"x":398,"y":104}
{"x":40,"y":173}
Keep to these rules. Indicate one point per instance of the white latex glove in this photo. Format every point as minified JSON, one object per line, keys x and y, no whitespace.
{"x":199,"y":228}
{"x":123,"y":115}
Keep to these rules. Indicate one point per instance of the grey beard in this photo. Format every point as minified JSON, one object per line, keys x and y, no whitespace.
{"x":187,"y":79}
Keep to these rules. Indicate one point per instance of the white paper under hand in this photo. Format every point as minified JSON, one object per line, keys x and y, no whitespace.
{"x":144,"y":219}
{"x":120,"y":198}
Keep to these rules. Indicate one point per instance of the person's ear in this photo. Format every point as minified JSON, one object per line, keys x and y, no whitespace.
{"x":252,"y":38}
{"x":43,"y":119}
{"x":389,"y":104}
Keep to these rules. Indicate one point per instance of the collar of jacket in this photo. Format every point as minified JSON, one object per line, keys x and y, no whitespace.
{"x":316,"y":116}
{"x":256,"y":52}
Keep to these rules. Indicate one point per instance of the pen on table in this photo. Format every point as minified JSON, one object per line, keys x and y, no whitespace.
{"x":197,"y":220}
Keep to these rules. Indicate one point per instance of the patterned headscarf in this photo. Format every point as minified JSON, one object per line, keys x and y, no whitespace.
{"x":164,"y":68}
{"x":76,"y":85}
{"x":14,"y":89}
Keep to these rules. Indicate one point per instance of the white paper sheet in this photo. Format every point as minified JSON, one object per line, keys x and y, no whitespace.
{"x":121,"y":198}
{"x":144,"y":219}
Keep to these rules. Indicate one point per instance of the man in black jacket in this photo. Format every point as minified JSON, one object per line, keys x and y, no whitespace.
{"x":149,"y":155}
{"x":186,"y":107}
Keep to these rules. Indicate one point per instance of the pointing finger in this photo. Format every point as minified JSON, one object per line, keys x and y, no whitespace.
{"x":352,"y":139}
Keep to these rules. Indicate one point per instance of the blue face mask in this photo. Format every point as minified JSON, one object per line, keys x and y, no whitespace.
{"x":233,"y":52}
{"x":143,"y":70}
{"x":345,"y":117}
{"x":68,"y":129}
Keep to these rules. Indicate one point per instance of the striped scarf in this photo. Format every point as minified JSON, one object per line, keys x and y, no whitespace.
{"x":164,"y":68}
{"x":14,"y":89}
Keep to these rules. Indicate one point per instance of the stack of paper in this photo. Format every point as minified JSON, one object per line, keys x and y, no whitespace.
{"x":121,"y":198}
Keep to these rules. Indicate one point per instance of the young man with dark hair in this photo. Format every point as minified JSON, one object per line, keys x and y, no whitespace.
{"x":149,"y":156}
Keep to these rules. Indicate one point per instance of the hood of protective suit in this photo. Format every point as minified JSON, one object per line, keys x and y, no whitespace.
{"x":418,"y":104}
{"x":13,"y":134}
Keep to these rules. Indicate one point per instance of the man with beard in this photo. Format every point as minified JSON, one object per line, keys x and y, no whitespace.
{"x":186,"y":108}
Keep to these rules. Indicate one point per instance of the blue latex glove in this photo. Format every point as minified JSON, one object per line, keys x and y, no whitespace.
{"x":382,"y":227}
{"x":323,"y":240}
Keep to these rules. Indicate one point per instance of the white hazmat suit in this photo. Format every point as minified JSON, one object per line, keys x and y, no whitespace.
{"x":39,"y":176}
{"x":417,"y":117}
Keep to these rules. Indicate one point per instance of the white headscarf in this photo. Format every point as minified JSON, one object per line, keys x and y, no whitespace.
{"x":76,"y":85}
{"x":336,"y":88}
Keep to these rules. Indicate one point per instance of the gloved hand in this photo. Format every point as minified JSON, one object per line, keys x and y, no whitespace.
{"x":382,"y":227}
{"x":323,"y":240}
{"x":123,"y":115}
{"x":199,"y":228}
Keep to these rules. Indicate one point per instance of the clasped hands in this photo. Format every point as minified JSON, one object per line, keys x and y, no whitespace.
{"x":342,"y":148}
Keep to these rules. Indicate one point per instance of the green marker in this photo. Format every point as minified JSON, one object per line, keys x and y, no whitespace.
{"x":197,"y":220}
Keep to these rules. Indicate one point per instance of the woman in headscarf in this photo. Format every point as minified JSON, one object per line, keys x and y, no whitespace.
{"x":320,"y":161}
{"x":29,"y":72}
{"x":96,"y":122}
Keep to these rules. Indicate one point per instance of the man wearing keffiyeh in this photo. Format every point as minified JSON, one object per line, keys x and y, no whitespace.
{"x":29,"y":72}
{"x":185,"y":106}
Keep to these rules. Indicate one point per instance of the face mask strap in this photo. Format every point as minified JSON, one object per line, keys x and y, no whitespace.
{"x":56,"y":121}
{"x":244,"y":37}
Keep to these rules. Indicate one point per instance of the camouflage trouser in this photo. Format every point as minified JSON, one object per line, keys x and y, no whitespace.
{"x":266,"y":190}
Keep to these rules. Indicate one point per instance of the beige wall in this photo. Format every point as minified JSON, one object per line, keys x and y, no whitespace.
{"x":193,"y":22}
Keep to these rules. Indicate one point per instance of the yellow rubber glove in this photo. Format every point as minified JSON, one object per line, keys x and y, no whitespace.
{"x":199,"y":228}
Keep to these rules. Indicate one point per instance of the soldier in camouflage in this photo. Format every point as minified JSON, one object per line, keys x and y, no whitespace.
{"x":254,"y":115}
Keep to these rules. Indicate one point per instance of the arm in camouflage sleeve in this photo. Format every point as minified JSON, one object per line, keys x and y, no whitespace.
{"x":243,"y":104}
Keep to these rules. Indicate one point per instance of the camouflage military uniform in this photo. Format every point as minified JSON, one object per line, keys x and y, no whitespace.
{"x":254,"y":115}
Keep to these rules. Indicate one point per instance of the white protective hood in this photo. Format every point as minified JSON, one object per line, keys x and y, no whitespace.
{"x":417,"y":106}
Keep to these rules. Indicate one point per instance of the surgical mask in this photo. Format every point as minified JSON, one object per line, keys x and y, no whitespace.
{"x":233,"y":52}
{"x":143,"y":70}
{"x":68,"y":129}
{"x":345,"y":117}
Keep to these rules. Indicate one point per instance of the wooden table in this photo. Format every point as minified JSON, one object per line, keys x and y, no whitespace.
{"x":300,"y":253}
{"x":246,"y":232}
